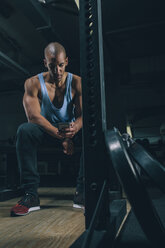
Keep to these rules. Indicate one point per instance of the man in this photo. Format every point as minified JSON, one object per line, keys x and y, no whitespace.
{"x":50,"y":98}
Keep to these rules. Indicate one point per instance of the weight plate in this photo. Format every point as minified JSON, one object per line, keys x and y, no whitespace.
{"x":136,"y":193}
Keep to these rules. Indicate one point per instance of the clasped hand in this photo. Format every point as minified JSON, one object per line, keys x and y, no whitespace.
{"x":69,"y":132}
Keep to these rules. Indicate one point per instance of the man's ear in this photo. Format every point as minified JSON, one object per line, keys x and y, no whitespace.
{"x":66,"y":61}
{"x":45,"y":63}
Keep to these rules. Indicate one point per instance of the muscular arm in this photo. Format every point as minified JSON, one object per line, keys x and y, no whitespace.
{"x":32,"y":108}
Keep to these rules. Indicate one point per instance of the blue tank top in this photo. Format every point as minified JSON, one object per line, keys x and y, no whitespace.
{"x":49,"y":111}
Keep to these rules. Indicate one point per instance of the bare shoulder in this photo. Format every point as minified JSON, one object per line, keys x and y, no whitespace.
{"x":76,"y":78}
{"x":32,"y":83}
{"x":32,"y":86}
{"x":76,"y":82}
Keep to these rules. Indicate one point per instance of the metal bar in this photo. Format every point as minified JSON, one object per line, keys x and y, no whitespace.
{"x":39,"y":8}
{"x":65,"y":9}
{"x":101,"y":61}
{"x":61,"y":5}
{"x":133,"y":28}
{"x":68,"y":8}
{"x":95,"y":216}
{"x":77,"y":2}
{"x":4,"y":59}
{"x":43,"y":28}
{"x":47,"y":18}
{"x":93,"y":97}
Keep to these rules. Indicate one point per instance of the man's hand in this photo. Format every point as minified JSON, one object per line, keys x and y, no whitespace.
{"x":68,"y":146}
{"x":70,"y":131}
{"x":59,"y":135}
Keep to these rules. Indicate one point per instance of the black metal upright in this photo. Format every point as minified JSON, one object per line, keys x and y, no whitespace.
{"x":94,"y":114}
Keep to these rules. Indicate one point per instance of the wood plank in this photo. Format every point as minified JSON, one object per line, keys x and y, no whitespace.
{"x":56,"y":225}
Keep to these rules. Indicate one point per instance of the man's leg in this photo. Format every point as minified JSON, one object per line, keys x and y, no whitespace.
{"x":29,"y":137}
{"x":78,"y":201}
{"x":80,"y":178}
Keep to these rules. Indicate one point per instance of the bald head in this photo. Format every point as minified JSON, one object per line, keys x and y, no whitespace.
{"x":55,"y":61}
{"x":54,"y":48}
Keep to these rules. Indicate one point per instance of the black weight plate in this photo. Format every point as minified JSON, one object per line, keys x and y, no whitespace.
{"x":150,"y":165}
{"x":138,"y":197}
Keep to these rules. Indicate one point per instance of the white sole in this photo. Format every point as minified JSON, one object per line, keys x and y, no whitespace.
{"x":33,"y":209}
{"x":30,"y":210}
{"x":78,"y":206}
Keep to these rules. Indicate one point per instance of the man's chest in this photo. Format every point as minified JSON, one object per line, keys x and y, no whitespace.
{"x":56,"y":95}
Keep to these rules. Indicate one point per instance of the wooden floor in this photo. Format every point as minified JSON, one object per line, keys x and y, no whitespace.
{"x":56,"y":225}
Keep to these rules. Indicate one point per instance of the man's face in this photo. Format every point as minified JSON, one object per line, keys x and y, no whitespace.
{"x":56,"y":65}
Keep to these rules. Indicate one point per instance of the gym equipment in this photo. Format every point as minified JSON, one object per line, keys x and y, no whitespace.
{"x":95,"y":158}
{"x":138,"y":197}
{"x":146,"y":162}
{"x":102,"y":218}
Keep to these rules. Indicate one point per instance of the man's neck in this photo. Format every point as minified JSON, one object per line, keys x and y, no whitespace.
{"x":61,"y":83}
{"x":57,"y":84}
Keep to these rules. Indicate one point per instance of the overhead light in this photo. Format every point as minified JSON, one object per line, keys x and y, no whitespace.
{"x":42,"y":1}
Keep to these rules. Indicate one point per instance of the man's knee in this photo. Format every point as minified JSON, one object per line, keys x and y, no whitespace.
{"x":27,"y":130}
{"x":24,"y":128}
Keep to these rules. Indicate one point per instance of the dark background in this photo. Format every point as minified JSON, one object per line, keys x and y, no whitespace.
{"x":134,"y":60}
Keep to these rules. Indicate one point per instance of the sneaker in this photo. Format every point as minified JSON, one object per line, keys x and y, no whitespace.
{"x":26,"y":205}
{"x":78,"y":201}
